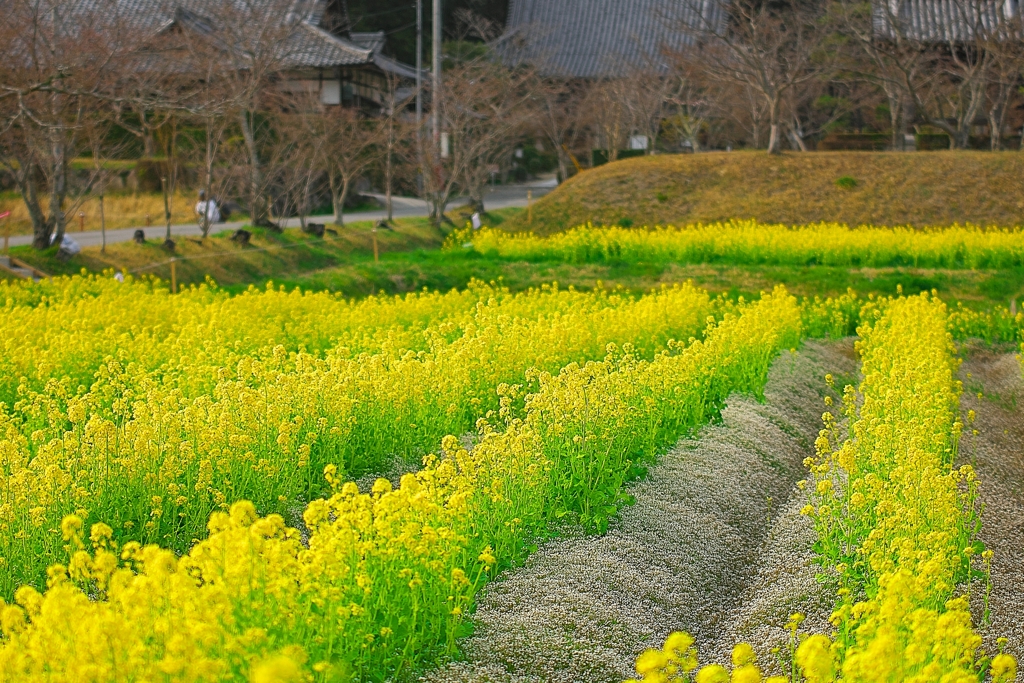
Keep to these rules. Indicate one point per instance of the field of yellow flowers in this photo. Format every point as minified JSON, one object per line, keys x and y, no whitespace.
{"x":381,"y":584}
{"x":147,"y":411}
{"x":180,"y":498}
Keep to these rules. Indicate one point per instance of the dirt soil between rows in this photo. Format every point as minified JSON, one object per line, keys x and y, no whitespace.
{"x":714,"y":546}
{"x":994,"y":389}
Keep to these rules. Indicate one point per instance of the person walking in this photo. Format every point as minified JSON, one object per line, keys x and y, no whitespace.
{"x":207,"y":209}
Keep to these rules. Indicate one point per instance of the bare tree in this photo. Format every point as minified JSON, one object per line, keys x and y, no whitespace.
{"x":768,"y":48}
{"x":211,"y":114}
{"x":610,"y":115}
{"x":297,"y":162}
{"x":938,"y":70}
{"x":561,"y":117}
{"x":1003,"y":40}
{"x":691,"y":102}
{"x":104,"y":146}
{"x":61,"y":59}
{"x":888,"y":55}
{"x":252,"y":42}
{"x":962,"y":62}
{"x":484,"y":108}
{"x":397,"y":140}
{"x":647,"y":93}
{"x":348,"y":145}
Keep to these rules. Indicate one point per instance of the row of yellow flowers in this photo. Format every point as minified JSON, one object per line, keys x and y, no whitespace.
{"x":381,"y":586}
{"x":897,"y":524}
{"x":155,"y":443}
{"x":896,"y":515}
{"x":750,"y":242}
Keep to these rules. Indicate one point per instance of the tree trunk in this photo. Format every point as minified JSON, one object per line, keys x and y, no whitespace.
{"x":204,"y":221}
{"x":389,"y":179}
{"x":774,"y":139}
{"x":303,"y":204}
{"x":755,"y":118}
{"x":997,"y":117}
{"x":257,"y":203}
{"x":167,"y":209}
{"x":962,"y":137}
{"x":952,"y":131}
{"x":977,"y":102}
{"x":339,"y":191}
{"x":774,"y":127}
{"x":29,"y":194}
{"x":103,"y":228}
{"x":563,"y":168}
{"x":896,"y":121}
{"x":797,"y":141}
{"x":58,"y":188}
{"x":995,"y":130}
{"x":146,"y":133}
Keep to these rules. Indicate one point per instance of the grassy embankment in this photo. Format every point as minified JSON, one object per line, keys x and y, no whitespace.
{"x":269,"y":256}
{"x":921,"y":189}
{"x":880,"y":188}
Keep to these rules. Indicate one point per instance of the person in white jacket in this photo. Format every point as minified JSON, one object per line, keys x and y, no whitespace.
{"x":207,"y":207}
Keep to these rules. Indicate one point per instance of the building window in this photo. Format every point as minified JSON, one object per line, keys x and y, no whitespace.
{"x":330,"y":92}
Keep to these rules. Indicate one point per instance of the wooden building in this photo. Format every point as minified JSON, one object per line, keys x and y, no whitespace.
{"x":317,"y":52}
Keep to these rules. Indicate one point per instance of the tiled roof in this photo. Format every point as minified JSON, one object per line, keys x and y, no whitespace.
{"x":602,"y":38}
{"x":305,"y":43}
{"x":944,"y":20}
{"x":317,"y":48}
{"x":370,"y":40}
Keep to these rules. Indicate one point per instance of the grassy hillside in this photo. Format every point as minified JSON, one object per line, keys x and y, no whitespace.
{"x":290,"y":257}
{"x":882,"y":188}
{"x":269,"y":256}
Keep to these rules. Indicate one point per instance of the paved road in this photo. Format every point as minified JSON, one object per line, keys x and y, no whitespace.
{"x":502,"y":197}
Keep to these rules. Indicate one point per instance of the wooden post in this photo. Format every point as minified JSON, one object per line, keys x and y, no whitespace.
{"x":81,"y":221}
{"x":174,"y":276}
{"x":376,"y":252}
{"x":103,"y":228}
{"x":529,"y":207}
{"x":7,"y":231}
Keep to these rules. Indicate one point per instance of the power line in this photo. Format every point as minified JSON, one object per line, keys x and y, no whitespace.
{"x":383,"y":12}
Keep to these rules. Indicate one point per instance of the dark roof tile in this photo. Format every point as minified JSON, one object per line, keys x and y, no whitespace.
{"x":602,"y":38}
{"x":945,"y":20}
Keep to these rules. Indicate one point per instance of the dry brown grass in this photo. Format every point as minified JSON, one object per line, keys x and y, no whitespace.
{"x":892,"y":188}
{"x":121,"y":211}
{"x":268,"y":256}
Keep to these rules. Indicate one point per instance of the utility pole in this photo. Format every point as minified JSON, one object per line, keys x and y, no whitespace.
{"x":419,"y":67}
{"x":435,"y":94}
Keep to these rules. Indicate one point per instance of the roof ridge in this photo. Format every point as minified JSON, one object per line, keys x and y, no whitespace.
{"x":338,"y":40}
